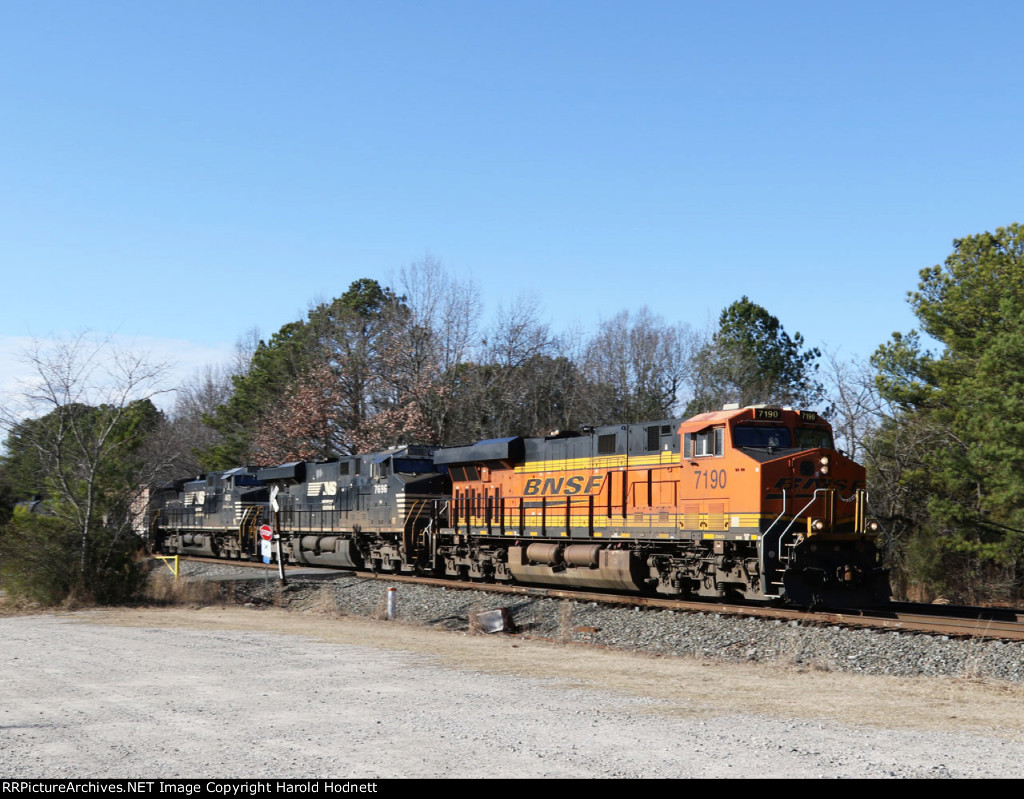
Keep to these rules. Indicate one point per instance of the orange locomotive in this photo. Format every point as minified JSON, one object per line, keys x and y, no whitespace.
{"x":751,"y":503}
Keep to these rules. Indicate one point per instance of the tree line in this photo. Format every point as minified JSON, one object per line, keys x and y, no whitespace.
{"x":941,"y":430}
{"x":381,"y":366}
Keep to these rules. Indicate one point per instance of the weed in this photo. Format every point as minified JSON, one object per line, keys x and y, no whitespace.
{"x":163,"y":589}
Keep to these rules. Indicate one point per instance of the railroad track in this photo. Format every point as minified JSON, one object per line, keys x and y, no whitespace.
{"x":953,"y":621}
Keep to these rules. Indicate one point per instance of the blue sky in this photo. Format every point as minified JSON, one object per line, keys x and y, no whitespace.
{"x":176,"y":173}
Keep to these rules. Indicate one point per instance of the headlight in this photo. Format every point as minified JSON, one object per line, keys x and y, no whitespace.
{"x":817,"y":525}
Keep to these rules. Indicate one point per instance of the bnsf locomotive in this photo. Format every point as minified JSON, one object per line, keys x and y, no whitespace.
{"x":753,"y":503}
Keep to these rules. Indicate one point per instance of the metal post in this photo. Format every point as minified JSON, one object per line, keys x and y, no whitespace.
{"x":391,"y":603}
{"x":280,"y":556}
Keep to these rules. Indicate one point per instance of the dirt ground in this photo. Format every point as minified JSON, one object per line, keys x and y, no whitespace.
{"x":960,"y":705}
{"x":239,"y":692}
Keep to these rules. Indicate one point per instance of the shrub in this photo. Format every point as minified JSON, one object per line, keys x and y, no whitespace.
{"x":41,"y":561}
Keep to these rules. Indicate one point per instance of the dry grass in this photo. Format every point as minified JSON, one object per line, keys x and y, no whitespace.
{"x":16,"y":606}
{"x":474,"y":624}
{"x":800,"y":652}
{"x":323,"y":602}
{"x":164,"y":589}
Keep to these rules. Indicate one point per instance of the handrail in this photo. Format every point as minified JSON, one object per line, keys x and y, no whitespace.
{"x":797,"y":515}
{"x":764,"y":575}
{"x":778,"y":541}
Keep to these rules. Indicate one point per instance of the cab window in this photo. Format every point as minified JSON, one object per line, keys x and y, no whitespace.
{"x":705,"y":443}
{"x":761,"y":436}
{"x":813,"y":437}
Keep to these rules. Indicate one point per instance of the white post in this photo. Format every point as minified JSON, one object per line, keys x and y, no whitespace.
{"x":391,"y":603}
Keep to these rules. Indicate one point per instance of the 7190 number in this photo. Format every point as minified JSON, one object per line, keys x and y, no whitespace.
{"x":713,"y":478}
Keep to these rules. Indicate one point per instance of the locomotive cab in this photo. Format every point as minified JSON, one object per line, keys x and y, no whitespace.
{"x":801,"y":500}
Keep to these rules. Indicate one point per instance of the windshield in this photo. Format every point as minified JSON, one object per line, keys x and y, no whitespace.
{"x":761,"y":436}
{"x":812,"y":438}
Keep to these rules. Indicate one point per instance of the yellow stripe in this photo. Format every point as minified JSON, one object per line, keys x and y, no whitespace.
{"x":555,"y":524}
{"x":661,"y":458}
{"x":665,"y":536}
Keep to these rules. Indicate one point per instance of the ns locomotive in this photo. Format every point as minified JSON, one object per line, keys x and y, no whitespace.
{"x":750,"y":503}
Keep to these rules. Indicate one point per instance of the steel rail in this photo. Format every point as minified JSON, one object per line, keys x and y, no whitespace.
{"x":953,"y":621}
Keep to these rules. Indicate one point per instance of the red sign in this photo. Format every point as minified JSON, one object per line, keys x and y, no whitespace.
{"x":266,"y":533}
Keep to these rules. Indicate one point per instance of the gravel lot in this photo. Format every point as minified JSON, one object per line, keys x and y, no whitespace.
{"x":318,"y":688}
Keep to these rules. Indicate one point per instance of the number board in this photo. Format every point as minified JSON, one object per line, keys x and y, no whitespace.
{"x":772,"y":414}
{"x":808,"y":416}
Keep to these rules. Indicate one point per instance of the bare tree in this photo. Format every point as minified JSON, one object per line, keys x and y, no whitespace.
{"x":82,"y":416}
{"x":186,"y":434}
{"x":437,"y":338}
{"x":245,"y":348}
{"x":638,"y":366}
{"x":519,"y":334}
{"x":856,"y":409}
{"x":519,"y":353}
